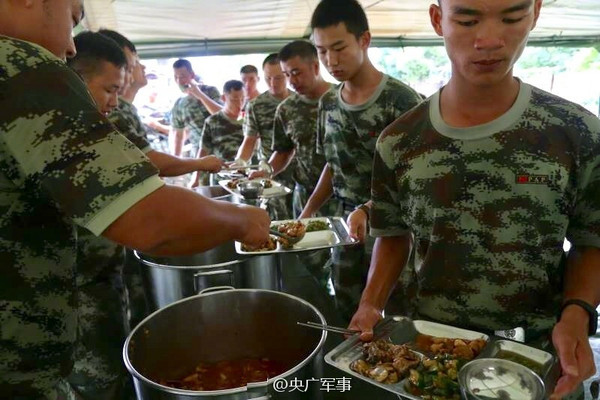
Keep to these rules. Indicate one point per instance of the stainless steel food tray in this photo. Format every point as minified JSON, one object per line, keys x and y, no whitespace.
{"x":276,"y":190}
{"x":401,"y":330}
{"x":336,"y":235}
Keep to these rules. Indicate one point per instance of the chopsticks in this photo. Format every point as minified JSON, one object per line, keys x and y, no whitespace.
{"x":329,"y":328}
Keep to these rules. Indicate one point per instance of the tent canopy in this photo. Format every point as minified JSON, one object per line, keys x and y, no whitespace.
{"x":173,"y":28}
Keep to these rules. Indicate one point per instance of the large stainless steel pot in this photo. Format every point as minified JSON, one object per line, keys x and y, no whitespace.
{"x":168,"y":279}
{"x":225,"y":325}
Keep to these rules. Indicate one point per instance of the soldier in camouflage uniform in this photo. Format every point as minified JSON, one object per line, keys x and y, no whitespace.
{"x":488,"y":198}
{"x":222,"y":134}
{"x":350,"y":118}
{"x":258,"y":129}
{"x":99,"y":371}
{"x":42,"y":194}
{"x":62,"y":164}
{"x":190,"y":112}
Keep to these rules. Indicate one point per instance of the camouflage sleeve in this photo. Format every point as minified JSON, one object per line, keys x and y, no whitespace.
{"x":406,"y":99}
{"x":584,"y":224}
{"x":387,"y":210}
{"x":250,"y":126}
{"x":214,"y":94}
{"x":281,"y":141}
{"x":206,"y":142}
{"x":320,"y":129}
{"x":54,"y":139}
{"x":126,"y":129}
{"x":177,"y":118}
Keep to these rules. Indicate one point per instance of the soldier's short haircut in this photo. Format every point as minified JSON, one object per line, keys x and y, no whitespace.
{"x":232,"y":85}
{"x":298,"y":48}
{"x":183,"y":63}
{"x":93,"y":48}
{"x":249,"y":69}
{"x":272,"y":59}
{"x":120,"y":39}
{"x":332,"y":12}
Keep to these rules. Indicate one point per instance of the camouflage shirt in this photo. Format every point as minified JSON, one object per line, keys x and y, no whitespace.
{"x":347,"y":133}
{"x":296,"y":129}
{"x":127,"y":121}
{"x":189,"y":113}
{"x":61,"y":163}
{"x":490,"y":206}
{"x":258,"y":121}
{"x":222,"y":136}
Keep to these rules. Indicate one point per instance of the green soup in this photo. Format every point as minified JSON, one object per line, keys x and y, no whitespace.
{"x":529,"y":363}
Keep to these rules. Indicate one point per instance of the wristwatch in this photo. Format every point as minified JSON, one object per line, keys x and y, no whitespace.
{"x":591,"y":310}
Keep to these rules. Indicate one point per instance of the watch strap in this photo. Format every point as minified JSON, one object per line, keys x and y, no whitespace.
{"x":590,"y":309}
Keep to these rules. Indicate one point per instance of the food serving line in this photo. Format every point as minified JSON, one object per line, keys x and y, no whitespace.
{"x":227,"y":320}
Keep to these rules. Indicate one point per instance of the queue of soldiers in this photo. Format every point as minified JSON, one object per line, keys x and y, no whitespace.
{"x":439,"y":193}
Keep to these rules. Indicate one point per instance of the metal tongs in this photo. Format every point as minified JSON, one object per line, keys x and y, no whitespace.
{"x":289,"y":239}
{"x":329,"y":328}
{"x":236,"y":167}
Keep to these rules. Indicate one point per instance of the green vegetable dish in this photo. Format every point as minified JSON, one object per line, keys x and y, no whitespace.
{"x":436,"y":378}
{"x":313,"y":226}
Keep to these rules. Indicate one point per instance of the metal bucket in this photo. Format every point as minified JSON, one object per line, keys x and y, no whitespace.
{"x":168,"y":279}
{"x":226,"y":325}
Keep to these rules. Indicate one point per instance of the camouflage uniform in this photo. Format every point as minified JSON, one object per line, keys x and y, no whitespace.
{"x":296,"y":129}
{"x":125,"y":117}
{"x":489,"y":207}
{"x":127,"y":121}
{"x":61,"y":163}
{"x":258,"y":122}
{"x":222,"y":136}
{"x":189,"y":113}
{"x":98,"y":372}
{"x":346,"y":135}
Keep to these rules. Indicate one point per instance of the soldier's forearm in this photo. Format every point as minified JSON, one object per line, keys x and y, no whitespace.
{"x":247,"y":148}
{"x":183,"y":222}
{"x":321,"y":194}
{"x":212,"y":106}
{"x":169,"y":165}
{"x":176,"y":139}
{"x":390,"y":255}
{"x":280,"y":160}
{"x":582,"y":276}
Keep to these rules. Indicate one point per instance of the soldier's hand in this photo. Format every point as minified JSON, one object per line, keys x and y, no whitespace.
{"x":193,"y":89}
{"x":254,"y":226}
{"x":365,"y":318}
{"x":357,"y":224}
{"x":306,"y":213}
{"x":569,"y":337}
{"x":257,"y":174}
{"x":211,"y":164}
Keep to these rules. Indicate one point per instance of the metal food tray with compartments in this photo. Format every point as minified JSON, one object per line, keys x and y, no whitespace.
{"x":403,"y":330}
{"x":276,"y":190}
{"x":335,"y":235}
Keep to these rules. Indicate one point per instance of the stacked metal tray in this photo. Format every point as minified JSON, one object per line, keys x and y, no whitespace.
{"x":402,"y":330}
{"x":276,"y":190}
{"x":335,"y":235}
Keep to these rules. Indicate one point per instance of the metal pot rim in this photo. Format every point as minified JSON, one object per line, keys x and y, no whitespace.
{"x":168,"y":266}
{"x":168,"y":389}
